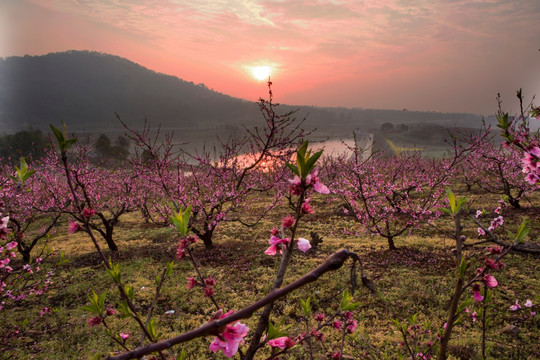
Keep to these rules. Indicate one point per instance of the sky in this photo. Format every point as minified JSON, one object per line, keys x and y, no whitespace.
{"x":428,"y":55}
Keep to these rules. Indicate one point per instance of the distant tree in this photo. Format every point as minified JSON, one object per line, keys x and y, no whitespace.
{"x":121,"y":147}
{"x":103,"y":147}
{"x":105,"y":150}
{"x":402,"y":128}
{"x":28,"y":143}
{"x":387,"y":126}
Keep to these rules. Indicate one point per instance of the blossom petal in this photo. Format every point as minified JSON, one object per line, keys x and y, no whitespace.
{"x":303,"y":244}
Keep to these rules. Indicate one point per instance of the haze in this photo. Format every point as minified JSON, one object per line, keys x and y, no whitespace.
{"x":449,"y":56}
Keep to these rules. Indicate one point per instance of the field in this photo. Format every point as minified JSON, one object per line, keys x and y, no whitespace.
{"x":418,"y":278}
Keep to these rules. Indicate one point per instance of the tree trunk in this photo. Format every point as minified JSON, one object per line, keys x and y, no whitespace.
{"x":206,"y":237}
{"x":109,"y":238}
{"x":391,"y":244}
{"x":514,"y":202}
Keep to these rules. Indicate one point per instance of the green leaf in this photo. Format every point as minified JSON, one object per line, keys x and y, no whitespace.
{"x":306,"y":306}
{"x":23,"y":172}
{"x":463,"y":268}
{"x":63,"y":144}
{"x":523,"y":231}
{"x":460,"y":203}
{"x":151,"y":328}
{"x":451,"y":201}
{"x":301,"y":162}
{"x":57,"y":133}
{"x":170,"y":268}
{"x":128,"y":289}
{"x":274,"y":331}
{"x":114,"y":272}
{"x":182,"y":356}
{"x":124,"y":309}
{"x":293,"y":168}
{"x":181,"y":221}
{"x":310,"y":163}
{"x":302,"y":149}
{"x":97,"y":303}
{"x":346,"y":302}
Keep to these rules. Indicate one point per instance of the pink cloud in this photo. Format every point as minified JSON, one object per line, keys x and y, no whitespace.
{"x":432,"y":55}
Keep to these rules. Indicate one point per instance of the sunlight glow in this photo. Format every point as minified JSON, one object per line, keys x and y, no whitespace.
{"x":261,"y":72}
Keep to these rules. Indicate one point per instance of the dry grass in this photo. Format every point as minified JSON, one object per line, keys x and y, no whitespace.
{"x":416,"y":279}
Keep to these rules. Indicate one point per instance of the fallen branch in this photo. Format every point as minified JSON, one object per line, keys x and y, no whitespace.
{"x":334,"y":262}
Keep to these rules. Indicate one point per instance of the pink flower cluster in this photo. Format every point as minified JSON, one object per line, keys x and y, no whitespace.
{"x":208,"y":285}
{"x":183,"y":244}
{"x":347,"y":323}
{"x":312,"y":180}
{"x":488,"y":279}
{"x":3,"y":227}
{"x":230,"y":339}
{"x":531,"y":165}
{"x":528,"y":304}
{"x":276,"y":244}
{"x":283,"y":342}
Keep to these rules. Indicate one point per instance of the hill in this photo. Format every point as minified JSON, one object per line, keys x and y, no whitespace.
{"x":86,"y":88}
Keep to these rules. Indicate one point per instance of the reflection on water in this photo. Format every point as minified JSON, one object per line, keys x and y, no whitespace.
{"x":334,"y":146}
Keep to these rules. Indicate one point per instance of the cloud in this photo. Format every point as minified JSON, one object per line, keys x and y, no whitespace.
{"x":338,"y":40}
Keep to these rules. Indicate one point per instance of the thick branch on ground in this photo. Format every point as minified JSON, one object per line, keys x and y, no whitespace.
{"x":334,"y":262}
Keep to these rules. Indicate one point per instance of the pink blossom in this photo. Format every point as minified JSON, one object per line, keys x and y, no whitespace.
{"x":319,"y":317}
{"x":94,"y":321}
{"x":110,"y":311}
{"x":283,"y":342}
{"x":296,"y":186}
{"x":473,"y":316}
{"x":476,"y":291}
{"x":303,"y":244}
{"x":337,"y":324}
{"x":208,"y":291}
{"x":11,"y":245}
{"x":288,"y":221}
{"x":3,"y":227}
{"x":318,"y":186}
{"x":496,"y":250}
{"x":528,"y":303}
{"x":191,"y":283}
{"x":352,"y":326}
{"x":478,"y":213}
{"x":516,"y":306}
{"x":481,"y":232}
{"x":306,"y":207}
{"x":88,"y":213}
{"x":44,"y":311}
{"x":230,"y":339}
{"x":73,"y":227}
{"x":490,"y":281}
{"x":124,"y":336}
{"x":274,"y":243}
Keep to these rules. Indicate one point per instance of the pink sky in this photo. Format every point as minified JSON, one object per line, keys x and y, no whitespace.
{"x":440,"y":55}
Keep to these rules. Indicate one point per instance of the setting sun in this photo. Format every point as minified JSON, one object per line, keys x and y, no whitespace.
{"x":261,"y":72}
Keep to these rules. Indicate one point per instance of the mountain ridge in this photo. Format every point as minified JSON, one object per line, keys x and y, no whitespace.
{"x":86,"y":89}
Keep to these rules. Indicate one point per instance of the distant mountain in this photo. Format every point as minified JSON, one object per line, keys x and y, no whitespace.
{"x":85,"y":89}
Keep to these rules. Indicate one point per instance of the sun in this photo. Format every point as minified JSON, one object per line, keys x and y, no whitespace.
{"x":261,"y":72}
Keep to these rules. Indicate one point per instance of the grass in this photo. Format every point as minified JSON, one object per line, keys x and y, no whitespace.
{"x":417,"y":279}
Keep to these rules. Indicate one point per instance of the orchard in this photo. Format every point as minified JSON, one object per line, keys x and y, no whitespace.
{"x":264,"y":248}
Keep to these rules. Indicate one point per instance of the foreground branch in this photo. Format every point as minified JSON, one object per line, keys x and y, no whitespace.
{"x":334,"y":262}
